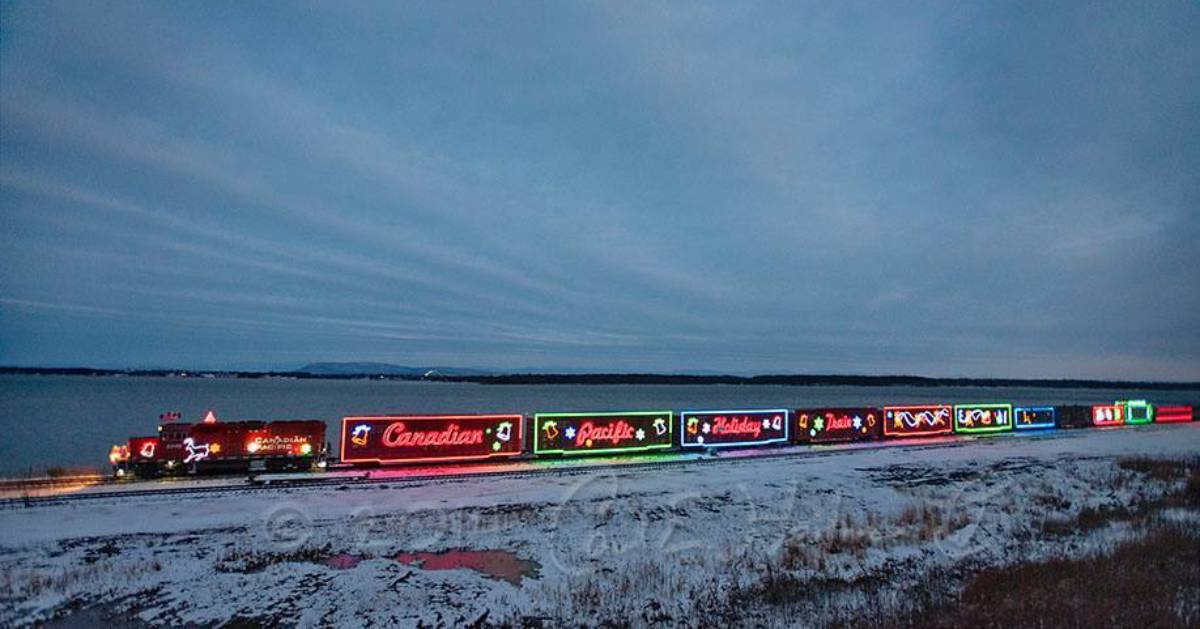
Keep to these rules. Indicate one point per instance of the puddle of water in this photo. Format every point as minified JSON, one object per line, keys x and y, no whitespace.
{"x":497,"y":564}
{"x":343,"y":561}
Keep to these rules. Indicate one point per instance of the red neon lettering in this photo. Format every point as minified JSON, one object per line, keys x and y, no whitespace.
{"x":614,"y":433}
{"x":736,"y":426}
{"x":397,"y":435}
{"x":838,"y":422}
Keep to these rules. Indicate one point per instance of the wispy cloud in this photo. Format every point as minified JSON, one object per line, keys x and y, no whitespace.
{"x":941,"y":188}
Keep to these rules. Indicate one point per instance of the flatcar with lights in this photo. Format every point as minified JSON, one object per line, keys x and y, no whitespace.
{"x":212,"y":446}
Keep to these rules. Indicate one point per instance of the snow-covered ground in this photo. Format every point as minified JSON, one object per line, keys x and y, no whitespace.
{"x":692,"y":543}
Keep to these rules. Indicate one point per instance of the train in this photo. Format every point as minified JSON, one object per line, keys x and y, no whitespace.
{"x":212,"y":446}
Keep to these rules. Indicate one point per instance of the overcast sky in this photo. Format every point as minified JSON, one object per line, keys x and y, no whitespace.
{"x":980,"y":189}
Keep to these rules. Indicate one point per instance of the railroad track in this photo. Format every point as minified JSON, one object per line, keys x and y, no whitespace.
{"x":267,"y":485}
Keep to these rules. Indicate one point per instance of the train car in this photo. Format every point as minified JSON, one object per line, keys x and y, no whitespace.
{"x":1138,"y":411}
{"x":834,"y":425}
{"x":983,"y":418}
{"x":578,"y":434}
{"x":212,"y":446}
{"x":734,"y":428}
{"x":401,"y":439}
{"x":1073,"y":416}
{"x":1173,"y":414}
{"x":1104,"y":415}
{"x":1034,"y":417}
{"x":918,"y":421}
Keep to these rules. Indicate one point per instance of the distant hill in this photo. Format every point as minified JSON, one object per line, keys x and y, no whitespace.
{"x":350,"y":371}
{"x":384,"y":369}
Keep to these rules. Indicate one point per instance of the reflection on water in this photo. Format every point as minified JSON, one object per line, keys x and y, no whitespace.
{"x":343,"y":561}
{"x":495,"y":564}
{"x":498,"y":564}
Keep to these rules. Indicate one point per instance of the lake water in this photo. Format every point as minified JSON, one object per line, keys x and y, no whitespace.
{"x":50,"y":421}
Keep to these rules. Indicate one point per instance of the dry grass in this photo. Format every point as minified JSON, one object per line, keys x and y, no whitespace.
{"x":925,"y":522}
{"x":1165,"y":470}
{"x":852,"y":537}
{"x":1183,"y":475}
{"x":18,"y":585}
{"x":1109,"y":590}
{"x":247,"y":562}
{"x":1153,"y":581}
{"x":811,"y":551}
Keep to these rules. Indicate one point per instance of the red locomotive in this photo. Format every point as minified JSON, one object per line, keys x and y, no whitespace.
{"x":216,"y":446}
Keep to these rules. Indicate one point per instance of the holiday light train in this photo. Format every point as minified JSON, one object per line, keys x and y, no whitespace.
{"x":212,"y":446}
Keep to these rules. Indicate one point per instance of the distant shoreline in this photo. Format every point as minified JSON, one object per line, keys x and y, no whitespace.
{"x":621,"y":378}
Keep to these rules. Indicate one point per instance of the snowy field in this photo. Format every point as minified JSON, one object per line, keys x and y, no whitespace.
{"x":820,"y":537}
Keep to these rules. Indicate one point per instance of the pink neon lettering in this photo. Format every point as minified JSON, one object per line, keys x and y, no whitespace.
{"x":838,"y":422}
{"x":614,"y":433}
{"x":397,"y":435}
{"x":736,"y":426}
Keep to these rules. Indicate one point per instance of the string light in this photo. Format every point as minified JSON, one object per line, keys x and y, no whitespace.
{"x":721,"y":429}
{"x":1108,"y":415}
{"x":823,"y":425}
{"x":194,"y":452}
{"x":982,"y":418}
{"x":1172,"y":414}
{"x":597,"y":433}
{"x":430,"y":438}
{"x":1138,"y":412}
{"x":917,"y":421}
{"x":1034,"y":417}
{"x":118,"y":454}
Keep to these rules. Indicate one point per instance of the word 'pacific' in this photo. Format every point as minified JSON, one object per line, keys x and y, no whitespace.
{"x":613,"y":433}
